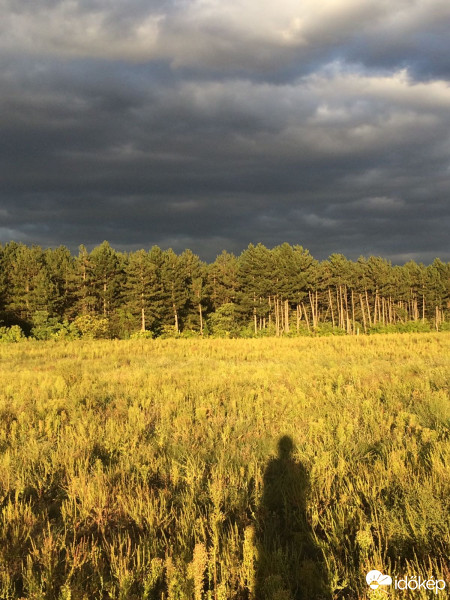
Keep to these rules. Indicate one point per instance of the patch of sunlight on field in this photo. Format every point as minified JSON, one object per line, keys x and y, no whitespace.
{"x":150,"y":469}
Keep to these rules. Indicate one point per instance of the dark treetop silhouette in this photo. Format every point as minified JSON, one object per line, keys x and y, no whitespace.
{"x":289,"y":561}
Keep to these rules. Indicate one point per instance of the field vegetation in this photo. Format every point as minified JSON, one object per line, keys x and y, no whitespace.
{"x":238,"y":469}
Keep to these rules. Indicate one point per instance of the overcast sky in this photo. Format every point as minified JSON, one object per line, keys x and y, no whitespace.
{"x":210,"y":124}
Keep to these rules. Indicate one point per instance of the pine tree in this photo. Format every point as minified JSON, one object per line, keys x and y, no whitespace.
{"x":81,"y":285}
{"x":105,"y":272}
{"x":29,"y":287}
{"x":223,"y":280}
{"x":173,"y":279}
{"x":252,"y":285}
{"x":141,"y":287}
{"x":262,"y":288}
{"x":341,"y":278}
{"x":438,"y":276}
{"x":195,"y":279}
{"x":293,"y":272}
{"x":60,"y":266}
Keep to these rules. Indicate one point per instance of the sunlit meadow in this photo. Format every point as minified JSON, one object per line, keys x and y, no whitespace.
{"x":137,"y":469}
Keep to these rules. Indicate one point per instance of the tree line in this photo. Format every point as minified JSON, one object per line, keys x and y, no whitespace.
{"x":50,"y":293}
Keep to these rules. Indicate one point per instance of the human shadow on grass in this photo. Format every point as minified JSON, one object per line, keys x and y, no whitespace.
{"x":290,"y":564}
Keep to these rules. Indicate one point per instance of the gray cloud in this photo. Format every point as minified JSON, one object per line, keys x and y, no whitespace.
{"x":212,"y":125}
{"x":247,"y":36}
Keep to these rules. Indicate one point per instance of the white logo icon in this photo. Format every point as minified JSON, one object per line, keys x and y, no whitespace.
{"x":375,"y":579}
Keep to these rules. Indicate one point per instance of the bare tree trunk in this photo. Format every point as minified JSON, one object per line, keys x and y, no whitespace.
{"x":104,"y":298}
{"x":313,"y":316}
{"x":363,"y":313}
{"x":306,"y":316}
{"x":175,"y":317}
{"x":343,"y":313}
{"x":402,"y":308}
{"x":270,"y":313}
{"x":375,"y":308}
{"x":338,"y":304}
{"x":317,"y":308}
{"x":353,"y":312}
{"x":280,"y":308}
{"x":142,"y":312}
{"x":200,"y":314}
{"x":347,"y":319}
{"x":277,"y":318}
{"x":368,"y":308}
{"x":286,"y":316}
{"x":331,"y":306}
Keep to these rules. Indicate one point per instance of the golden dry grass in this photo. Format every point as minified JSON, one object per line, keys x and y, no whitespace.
{"x":136,"y":469}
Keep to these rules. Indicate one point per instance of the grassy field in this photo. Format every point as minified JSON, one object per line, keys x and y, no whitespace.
{"x":268,"y":469}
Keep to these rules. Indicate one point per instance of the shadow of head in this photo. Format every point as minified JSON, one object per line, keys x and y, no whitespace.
{"x":285,"y":447}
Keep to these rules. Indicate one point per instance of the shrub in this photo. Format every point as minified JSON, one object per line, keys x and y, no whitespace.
{"x":190,"y":333}
{"x":169,"y":331}
{"x":142,"y":335}
{"x":223,"y":322}
{"x":328,"y":329}
{"x":90,"y":326}
{"x":67,"y":331}
{"x":409,"y":327}
{"x":11,"y":334}
{"x":50,"y":328}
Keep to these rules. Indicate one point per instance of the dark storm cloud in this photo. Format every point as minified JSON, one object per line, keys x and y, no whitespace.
{"x":210,"y":125}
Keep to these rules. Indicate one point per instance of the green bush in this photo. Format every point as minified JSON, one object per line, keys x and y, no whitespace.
{"x":409,"y":327}
{"x":11,"y":334}
{"x":190,"y":333}
{"x":328,"y":329}
{"x":67,"y":331}
{"x":90,"y":326}
{"x":50,"y":328}
{"x":168,"y":331}
{"x":142,"y":335}
{"x":223,"y":323}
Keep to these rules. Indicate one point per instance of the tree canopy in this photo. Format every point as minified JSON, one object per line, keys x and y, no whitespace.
{"x":282,"y":290}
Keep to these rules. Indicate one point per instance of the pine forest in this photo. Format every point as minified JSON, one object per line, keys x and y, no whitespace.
{"x":49,"y":294}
